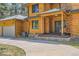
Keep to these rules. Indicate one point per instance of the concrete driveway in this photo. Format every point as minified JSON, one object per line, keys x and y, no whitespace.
{"x":42,"y":47}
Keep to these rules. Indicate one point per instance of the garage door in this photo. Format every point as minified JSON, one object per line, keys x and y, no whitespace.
{"x":0,"y":31}
{"x":9,"y":31}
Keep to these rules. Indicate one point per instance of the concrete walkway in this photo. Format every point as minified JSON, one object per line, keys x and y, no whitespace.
{"x":42,"y":47}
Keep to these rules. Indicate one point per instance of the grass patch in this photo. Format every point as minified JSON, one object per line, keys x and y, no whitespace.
{"x":9,"y":50}
{"x":73,"y":43}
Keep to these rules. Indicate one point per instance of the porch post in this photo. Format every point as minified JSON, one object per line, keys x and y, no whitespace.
{"x":42,"y":24}
{"x":62,"y":25}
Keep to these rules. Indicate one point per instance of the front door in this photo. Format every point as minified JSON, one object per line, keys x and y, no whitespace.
{"x":57,"y":26}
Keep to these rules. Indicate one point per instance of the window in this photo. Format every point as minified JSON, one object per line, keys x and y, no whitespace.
{"x":35,"y":24}
{"x":35,"y":8}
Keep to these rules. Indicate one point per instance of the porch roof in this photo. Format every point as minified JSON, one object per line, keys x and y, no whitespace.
{"x":52,"y":12}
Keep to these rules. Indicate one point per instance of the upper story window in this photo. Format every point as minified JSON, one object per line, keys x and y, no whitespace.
{"x":35,"y":8}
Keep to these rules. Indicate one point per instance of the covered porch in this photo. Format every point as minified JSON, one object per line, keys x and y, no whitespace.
{"x":55,"y":24}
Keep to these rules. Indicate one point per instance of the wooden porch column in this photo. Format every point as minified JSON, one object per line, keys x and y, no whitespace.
{"x":62,"y":24}
{"x":42,"y":24}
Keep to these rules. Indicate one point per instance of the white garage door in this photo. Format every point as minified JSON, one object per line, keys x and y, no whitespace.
{"x":9,"y":31}
{"x":0,"y":31}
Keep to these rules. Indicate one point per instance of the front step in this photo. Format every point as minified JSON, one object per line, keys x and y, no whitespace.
{"x":53,"y":37}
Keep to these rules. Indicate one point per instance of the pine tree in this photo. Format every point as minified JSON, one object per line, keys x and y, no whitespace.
{"x":10,"y":9}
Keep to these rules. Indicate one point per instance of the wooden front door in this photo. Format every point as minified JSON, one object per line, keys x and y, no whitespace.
{"x":57,"y":26}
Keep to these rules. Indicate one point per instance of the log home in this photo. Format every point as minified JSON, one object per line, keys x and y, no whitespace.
{"x":56,"y":18}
